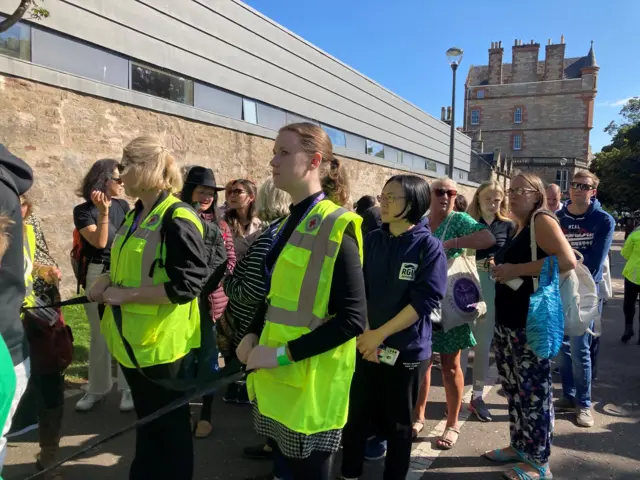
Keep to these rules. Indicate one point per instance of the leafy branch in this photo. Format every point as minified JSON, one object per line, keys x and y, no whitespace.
{"x":32,"y":7}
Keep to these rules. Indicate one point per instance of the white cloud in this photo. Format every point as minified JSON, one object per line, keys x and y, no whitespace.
{"x":615,"y":103}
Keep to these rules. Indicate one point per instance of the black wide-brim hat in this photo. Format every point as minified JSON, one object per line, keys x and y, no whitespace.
{"x":203,"y":176}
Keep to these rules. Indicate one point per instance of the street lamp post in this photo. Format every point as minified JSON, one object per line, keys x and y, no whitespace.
{"x":454,"y":55}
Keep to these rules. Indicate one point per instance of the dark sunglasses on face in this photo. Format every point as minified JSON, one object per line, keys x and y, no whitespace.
{"x":441,"y":192}
{"x":585,"y":187}
{"x":118,"y":180}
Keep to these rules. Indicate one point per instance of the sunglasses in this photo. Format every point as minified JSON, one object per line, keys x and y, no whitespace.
{"x":441,"y":192}
{"x":585,"y":187}
{"x":118,"y":180}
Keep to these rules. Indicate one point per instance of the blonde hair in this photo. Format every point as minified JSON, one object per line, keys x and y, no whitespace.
{"x":587,"y":174}
{"x":333,"y":176}
{"x":538,"y":186}
{"x":272,"y":203}
{"x":154,"y":168}
{"x":444,"y":180}
{"x":493,"y":185}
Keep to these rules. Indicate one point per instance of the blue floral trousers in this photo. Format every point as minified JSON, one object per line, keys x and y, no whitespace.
{"x":526,"y":380}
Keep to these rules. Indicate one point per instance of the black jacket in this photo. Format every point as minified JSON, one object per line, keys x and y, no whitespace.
{"x":16,"y":177}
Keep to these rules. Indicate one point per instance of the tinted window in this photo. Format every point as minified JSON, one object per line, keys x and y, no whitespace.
{"x":271,"y":117}
{"x":218,"y":101}
{"x":162,"y":84}
{"x":376,"y":149}
{"x":355,"y":143}
{"x":16,"y":42}
{"x":249,"y":111}
{"x":338,"y":137}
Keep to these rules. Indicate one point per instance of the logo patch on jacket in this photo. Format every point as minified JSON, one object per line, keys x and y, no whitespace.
{"x":408,"y":271}
{"x":313,"y":222}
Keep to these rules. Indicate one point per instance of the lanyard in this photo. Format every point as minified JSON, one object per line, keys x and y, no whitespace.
{"x":269,"y":271}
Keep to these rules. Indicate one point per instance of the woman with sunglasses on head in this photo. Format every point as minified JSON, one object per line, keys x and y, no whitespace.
{"x":152,"y":318}
{"x":457,"y":231}
{"x":97,"y":221}
{"x":241,"y":215}
{"x":489,"y":206}
{"x":526,"y":379}
{"x":301,"y":345}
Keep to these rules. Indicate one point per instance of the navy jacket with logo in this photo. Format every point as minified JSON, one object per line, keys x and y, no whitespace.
{"x":410,"y":269}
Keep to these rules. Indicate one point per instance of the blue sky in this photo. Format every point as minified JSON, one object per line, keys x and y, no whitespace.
{"x":401,"y":43}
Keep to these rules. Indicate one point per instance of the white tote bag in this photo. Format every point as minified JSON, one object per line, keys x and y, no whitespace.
{"x":463,"y":302}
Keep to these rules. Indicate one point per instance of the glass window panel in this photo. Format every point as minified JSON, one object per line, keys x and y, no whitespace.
{"x":16,"y":42}
{"x":517,"y":115}
{"x":517,"y":142}
{"x":480,"y":94}
{"x":218,"y":101}
{"x":293,"y":118}
{"x":338,"y":137}
{"x":249,"y":111}
{"x":391,"y":154}
{"x":271,"y":117}
{"x":161,"y":84}
{"x":374,"y":148}
{"x":432,"y":166}
{"x":475,"y":117}
{"x":419,"y":162}
{"x":355,"y":143}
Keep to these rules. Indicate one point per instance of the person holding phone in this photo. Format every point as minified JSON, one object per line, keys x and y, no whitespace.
{"x":98,"y":220}
{"x":405,"y":271}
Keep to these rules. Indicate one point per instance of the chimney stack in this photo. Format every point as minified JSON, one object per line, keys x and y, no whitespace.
{"x":443,"y":113}
{"x":449,"y":115}
{"x":524,"y":67}
{"x":495,"y":63}
{"x":554,"y":61}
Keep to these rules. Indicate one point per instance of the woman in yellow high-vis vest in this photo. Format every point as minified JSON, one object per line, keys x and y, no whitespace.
{"x":152,"y":292}
{"x":302,"y":342}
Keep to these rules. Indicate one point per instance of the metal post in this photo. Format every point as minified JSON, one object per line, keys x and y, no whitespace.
{"x":454,"y":67}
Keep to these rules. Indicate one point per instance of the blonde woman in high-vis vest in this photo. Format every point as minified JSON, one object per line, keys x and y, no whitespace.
{"x":152,"y":293}
{"x":301,"y":346}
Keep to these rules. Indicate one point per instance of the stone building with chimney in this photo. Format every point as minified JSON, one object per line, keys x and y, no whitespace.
{"x":537,"y":114}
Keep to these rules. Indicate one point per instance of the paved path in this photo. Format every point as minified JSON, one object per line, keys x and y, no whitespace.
{"x":610,"y":450}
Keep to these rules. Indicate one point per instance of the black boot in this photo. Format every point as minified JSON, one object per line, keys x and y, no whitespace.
{"x":628,"y":333}
{"x":49,"y":431}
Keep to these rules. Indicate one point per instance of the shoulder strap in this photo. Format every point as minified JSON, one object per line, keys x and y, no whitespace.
{"x":534,"y":245}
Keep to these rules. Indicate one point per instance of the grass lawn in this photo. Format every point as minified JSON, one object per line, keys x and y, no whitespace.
{"x":75,"y":317}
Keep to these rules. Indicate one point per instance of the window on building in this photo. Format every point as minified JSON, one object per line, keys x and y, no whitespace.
{"x":161,"y":83}
{"x":338,"y":137}
{"x":293,"y":118}
{"x":517,"y":115}
{"x":356,"y":143}
{"x":16,"y":42}
{"x":517,"y":142}
{"x":432,"y":166}
{"x":562,"y":179}
{"x":374,"y":148}
{"x":475,"y":117}
{"x":480,"y":94}
{"x":419,"y":162}
{"x":249,"y":111}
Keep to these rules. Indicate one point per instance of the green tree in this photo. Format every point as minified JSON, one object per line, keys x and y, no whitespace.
{"x":618,"y":164}
{"x":31,"y":7}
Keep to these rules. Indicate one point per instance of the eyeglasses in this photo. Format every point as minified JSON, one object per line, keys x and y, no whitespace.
{"x":388,"y":199}
{"x":441,"y":192}
{"x":519,"y":191}
{"x":118,"y":180}
{"x":585,"y":187}
{"x":237,"y":191}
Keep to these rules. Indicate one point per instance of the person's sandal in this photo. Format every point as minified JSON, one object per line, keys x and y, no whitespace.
{"x":502,"y":455}
{"x":417,"y":428}
{"x":448,"y":439}
{"x":527,"y":471}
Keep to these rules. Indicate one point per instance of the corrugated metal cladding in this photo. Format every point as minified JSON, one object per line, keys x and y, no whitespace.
{"x":226,"y":44}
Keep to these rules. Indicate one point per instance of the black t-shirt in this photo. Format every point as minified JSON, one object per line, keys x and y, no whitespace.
{"x":502,"y":230}
{"x":512,"y":307}
{"x":87,"y":214}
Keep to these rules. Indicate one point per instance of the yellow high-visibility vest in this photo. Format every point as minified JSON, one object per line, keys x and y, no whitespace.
{"x":158,"y":333}
{"x":311,"y":395}
{"x":29,"y":258}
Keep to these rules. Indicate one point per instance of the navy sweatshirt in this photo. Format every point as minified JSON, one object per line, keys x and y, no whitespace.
{"x":591,"y":234}
{"x":410,"y":269}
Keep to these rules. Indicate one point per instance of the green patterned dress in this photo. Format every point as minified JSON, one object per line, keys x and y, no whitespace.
{"x":459,"y":225}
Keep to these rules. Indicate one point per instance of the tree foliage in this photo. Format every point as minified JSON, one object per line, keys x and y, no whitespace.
{"x":31,"y":7}
{"x":618,"y":164}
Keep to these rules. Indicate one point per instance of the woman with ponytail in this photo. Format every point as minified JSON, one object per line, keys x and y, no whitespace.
{"x":301,"y":346}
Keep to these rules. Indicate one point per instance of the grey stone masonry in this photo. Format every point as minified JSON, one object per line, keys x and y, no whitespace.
{"x":525,"y":63}
{"x":495,"y":63}
{"x":554,"y":61}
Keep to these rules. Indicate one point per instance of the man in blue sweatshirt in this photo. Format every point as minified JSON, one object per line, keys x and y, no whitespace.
{"x":589,"y":230}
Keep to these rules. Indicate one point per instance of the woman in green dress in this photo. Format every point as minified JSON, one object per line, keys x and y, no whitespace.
{"x":457,"y":231}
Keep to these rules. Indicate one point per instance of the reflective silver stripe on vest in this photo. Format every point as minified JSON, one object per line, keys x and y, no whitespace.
{"x":304,"y":316}
{"x":152,"y":239}
{"x":28,"y":264}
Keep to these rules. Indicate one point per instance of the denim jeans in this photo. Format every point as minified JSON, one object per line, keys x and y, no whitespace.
{"x":575,"y":368}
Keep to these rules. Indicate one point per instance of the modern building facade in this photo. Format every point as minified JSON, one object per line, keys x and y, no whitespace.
{"x":214,"y":79}
{"x":537,"y":113}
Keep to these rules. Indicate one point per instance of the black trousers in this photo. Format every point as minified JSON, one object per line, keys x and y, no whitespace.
{"x":317,"y":466}
{"x":164,"y":447}
{"x":631,"y":293}
{"x":382,"y":396}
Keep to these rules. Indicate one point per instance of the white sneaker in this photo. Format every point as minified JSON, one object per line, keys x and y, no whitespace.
{"x":87,"y":402}
{"x":126,"y":402}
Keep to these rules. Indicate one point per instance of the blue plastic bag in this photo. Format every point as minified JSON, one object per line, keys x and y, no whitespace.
{"x":545,"y":321}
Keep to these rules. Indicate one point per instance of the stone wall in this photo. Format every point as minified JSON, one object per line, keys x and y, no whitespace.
{"x":61,"y":133}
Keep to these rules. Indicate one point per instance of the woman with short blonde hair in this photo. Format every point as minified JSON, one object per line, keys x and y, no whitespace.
{"x":158,"y":268}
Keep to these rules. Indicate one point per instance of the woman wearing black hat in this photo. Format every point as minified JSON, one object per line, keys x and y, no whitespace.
{"x":201,"y":191}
